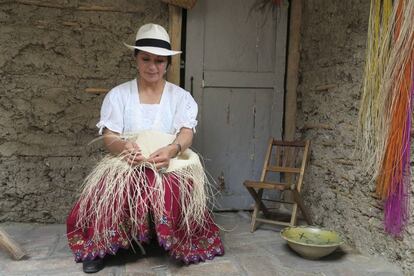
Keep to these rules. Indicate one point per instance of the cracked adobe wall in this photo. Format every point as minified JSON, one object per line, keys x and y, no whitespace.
{"x":50,"y":52}
{"x":339,"y":194}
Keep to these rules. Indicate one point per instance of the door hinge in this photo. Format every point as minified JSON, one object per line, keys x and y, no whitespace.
{"x":221,"y":182}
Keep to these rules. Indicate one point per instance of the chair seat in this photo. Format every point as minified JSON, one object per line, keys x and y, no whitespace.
{"x":266,"y":185}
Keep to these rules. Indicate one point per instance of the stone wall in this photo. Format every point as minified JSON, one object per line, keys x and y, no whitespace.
{"x":338,"y":193}
{"x":51,"y":51}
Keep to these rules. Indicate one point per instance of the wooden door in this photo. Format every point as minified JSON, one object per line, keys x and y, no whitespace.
{"x":235,"y":66}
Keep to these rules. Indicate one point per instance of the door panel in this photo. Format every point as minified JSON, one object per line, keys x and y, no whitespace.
{"x":235,"y":67}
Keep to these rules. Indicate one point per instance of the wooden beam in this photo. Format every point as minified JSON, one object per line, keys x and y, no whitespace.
{"x":96,"y":90}
{"x":175,"y":22}
{"x":11,"y":246}
{"x":292,"y":69}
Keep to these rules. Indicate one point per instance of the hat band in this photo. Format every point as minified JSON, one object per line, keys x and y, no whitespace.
{"x":151,"y":42}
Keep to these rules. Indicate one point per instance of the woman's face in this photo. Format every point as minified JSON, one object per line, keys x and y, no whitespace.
{"x":151,"y":67}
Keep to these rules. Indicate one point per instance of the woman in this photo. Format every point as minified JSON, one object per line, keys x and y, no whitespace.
{"x":149,"y":189}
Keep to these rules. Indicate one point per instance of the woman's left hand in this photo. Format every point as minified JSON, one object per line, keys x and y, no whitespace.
{"x":161,"y":157}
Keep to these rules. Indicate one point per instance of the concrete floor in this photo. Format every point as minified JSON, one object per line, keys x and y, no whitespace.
{"x":260,"y":253}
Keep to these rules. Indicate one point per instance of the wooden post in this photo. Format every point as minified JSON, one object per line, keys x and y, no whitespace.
{"x":175,"y":14}
{"x":292,"y":69}
{"x":11,"y":246}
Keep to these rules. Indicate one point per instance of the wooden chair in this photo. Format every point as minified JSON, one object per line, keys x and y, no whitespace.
{"x":287,"y":161}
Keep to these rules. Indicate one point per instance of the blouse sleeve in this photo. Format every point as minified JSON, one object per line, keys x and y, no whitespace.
{"x":186,"y":115}
{"x":111,"y":113}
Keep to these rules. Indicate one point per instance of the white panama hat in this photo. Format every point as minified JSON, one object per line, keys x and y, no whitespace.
{"x":154,"y":39}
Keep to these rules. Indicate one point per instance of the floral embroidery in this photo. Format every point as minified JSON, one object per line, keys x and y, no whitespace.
{"x":163,"y":219}
{"x":188,"y":250}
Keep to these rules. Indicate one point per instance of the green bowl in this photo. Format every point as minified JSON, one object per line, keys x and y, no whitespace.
{"x":311,"y":242}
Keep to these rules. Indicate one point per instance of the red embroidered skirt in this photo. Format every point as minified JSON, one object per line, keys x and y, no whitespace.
{"x":203,"y":244}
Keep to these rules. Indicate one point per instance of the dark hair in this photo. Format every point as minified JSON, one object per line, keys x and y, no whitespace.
{"x":136,"y":51}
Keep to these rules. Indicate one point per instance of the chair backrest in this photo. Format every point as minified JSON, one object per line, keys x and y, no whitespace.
{"x":287,"y":158}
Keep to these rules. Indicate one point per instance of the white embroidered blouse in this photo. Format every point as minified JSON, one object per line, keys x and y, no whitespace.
{"x":123,"y":113}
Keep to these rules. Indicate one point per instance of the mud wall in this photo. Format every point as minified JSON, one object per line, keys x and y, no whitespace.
{"x":338,"y":193}
{"x":51,"y":51}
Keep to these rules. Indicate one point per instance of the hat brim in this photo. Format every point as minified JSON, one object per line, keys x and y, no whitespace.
{"x":154,"y":50}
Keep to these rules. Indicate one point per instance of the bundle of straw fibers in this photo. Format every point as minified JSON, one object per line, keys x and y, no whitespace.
{"x":386,"y":107}
{"x":114,"y":184}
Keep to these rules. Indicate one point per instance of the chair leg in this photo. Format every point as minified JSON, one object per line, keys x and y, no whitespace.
{"x":288,"y":197}
{"x":294,"y":215}
{"x":257,"y":196}
{"x":254,"y":215}
{"x":302,"y":207}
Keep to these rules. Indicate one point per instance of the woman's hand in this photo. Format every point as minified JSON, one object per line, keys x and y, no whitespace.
{"x":132,"y":153}
{"x":161,"y":157}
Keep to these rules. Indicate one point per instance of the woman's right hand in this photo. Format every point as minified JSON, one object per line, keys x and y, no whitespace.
{"x":132,"y":153}
{"x":129,"y":150}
